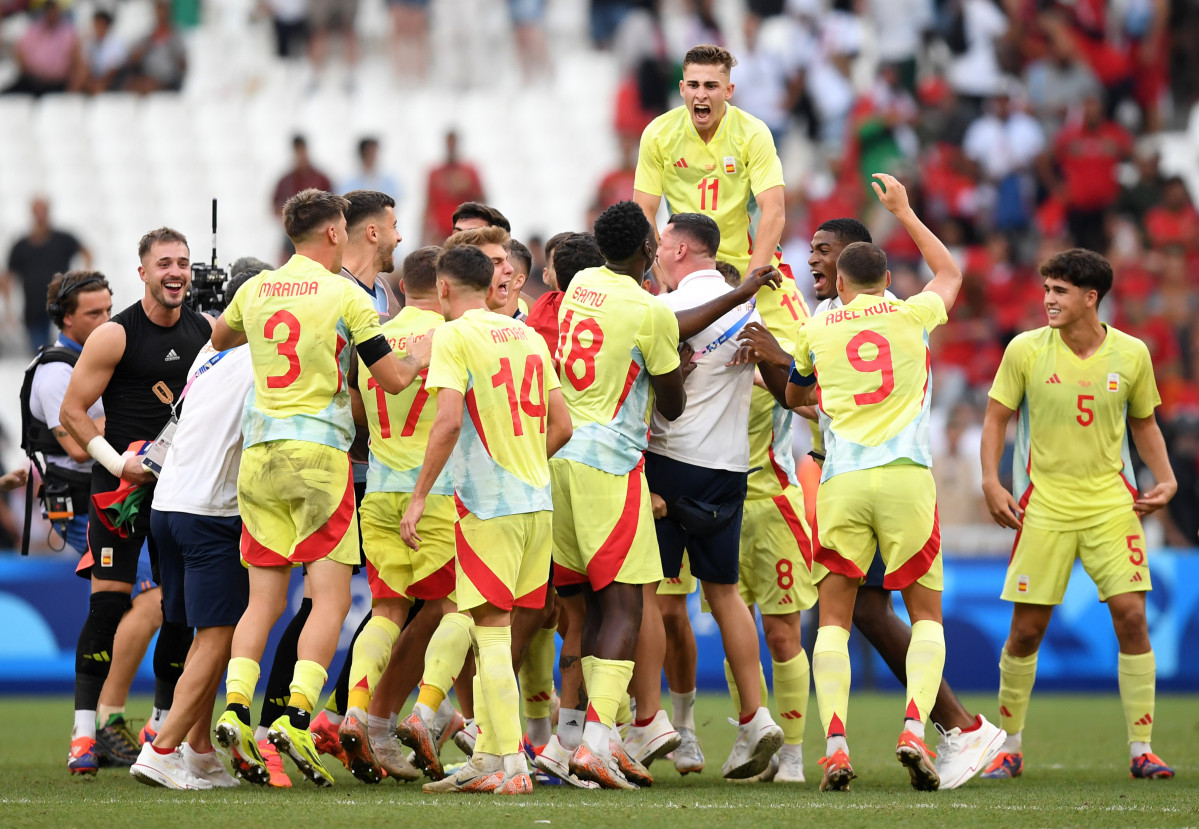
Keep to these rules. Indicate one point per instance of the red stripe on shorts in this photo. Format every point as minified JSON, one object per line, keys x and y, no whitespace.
{"x":379,"y":588}
{"x":535,"y":598}
{"x":610,"y":557}
{"x":564,"y":576}
{"x":494,"y":591}
{"x":258,"y":554}
{"x":836,"y":563}
{"x":437,"y":585}
{"x":917,"y":565}
{"x":320,"y":543}
{"x":793,"y":523}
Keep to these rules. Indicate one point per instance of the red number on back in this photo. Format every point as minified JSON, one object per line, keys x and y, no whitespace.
{"x":418,"y":405}
{"x":287,"y":348}
{"x":881,"y":362}
{"x":579,"y":353}
{"x":534,"y":378}
{"x":381,"y":402}
{"x":790,"y":304}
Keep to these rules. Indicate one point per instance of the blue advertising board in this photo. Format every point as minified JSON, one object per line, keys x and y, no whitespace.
{"x":43,"y":604}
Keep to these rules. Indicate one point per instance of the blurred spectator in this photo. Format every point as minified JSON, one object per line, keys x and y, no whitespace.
{"x":1058,"y":81}
{"x":975,"y":27}
{"x":696,"y":24}
{"x":158,"y":63}
{"x":1005,"y":143}
{"x":410,"y":21}
{"x":618,"y":184}
{"x":105,"y":57}
{"x":899,"y":27}
{"x":1174,"y":221}
{"x":606,"y":17}
{"x":48,"y":54}
{"x":328,"y":17}
{"x":956,"y":471}
{"x":369,"y":176}
{"x":290,"y":21}
{"x":450,"y":184}
{"x":883,"y":119}
{"x":33,"y":262}
{"x":1147,"y":192}
{"x":762,"y":78}
{"x":1086,"y":155}
{"x":528,"y":20}
{"x":302,"y":176}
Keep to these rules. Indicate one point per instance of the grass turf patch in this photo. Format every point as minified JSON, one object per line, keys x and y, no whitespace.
{"x":1075,"y":760}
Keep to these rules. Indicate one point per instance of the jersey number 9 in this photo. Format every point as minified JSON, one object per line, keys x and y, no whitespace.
{"x":881,"y":362}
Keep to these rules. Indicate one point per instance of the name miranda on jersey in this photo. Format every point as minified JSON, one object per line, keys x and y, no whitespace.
{"x":282,"y":288}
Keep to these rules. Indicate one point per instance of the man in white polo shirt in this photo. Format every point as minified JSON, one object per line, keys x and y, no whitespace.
{"x":699,"y":465}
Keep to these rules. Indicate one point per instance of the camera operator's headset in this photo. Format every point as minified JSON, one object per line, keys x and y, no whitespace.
{"x":55,"y":308}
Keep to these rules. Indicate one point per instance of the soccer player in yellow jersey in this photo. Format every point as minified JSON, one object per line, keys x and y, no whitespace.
{"x":876,"y":488}
{"x":710,"y":157}
{"x":498,"y":373}
{"x":295,"y":486}
{"x":399,"y":431}
{"x":1075,"y":383}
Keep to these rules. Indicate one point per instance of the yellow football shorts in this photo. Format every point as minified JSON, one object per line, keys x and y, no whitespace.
{"x":503,"y":561}
{"x":684,"y":585}
{"x":1112,"y":553}
{"x":395,"y":570}
{"x":893,"y":507}
{"x":603,"y":527}
{"x":297,"y":504}
{"x":776,"y":554}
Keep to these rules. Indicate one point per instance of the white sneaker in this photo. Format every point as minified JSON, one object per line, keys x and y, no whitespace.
{"x":389,"y":751}
{"x":210,"y":767}
{"x":767,"y":775}
{"x":688,"y":757}
{"x":648,"y":743}
{"x":167,"y":770}
{"x":465,"y":739}
{"x":757,"y":741}
{"x":961,"y":755}
{"x":554,"y":760}
{"x":790,"y":764}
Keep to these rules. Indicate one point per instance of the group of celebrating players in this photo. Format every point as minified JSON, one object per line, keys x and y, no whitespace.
{"x":574,"y":469}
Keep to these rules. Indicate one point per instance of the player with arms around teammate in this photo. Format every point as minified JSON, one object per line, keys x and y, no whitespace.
{"x":710,"y":157}
{"x":1075,"y":383}
{"x":876,"y":484}
{"x":498,"y":373}
{"x":137,"y":364}
{"x":295,"y":488}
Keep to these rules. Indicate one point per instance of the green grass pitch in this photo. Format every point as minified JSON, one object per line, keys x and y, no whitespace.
{"x":1075,"y":759}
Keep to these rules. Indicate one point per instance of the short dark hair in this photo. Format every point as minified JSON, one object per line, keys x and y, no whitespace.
{"x":162,"y":235}
{"x":478,"y":210}
{"x":419,"y":271}
{"x":468,"y":266}
{"x":621,"y":230}
{"x":103,"y":14}
{"x":730,"y":273}
{"x":62,"y":297}
{"x":1084,"y":268}
{"x":365,"y":204}
{"x":366,"y":142}
{"x":522,"y":254}
{"x":863,"y":264}
{"x":700,"y":230}
{"x":709,"y":54}
{"x":298,"y":141}
{"x":251,"y":265}
{"x":847,"y":230}
{"x":237,"y":281}
{"x":577,"y":252}
{"x":554,"y":241}
{"x":309,"y":209}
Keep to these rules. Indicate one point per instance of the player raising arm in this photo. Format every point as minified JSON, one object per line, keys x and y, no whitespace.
{"x":876,"y":483}
{"x":1075,"y":382}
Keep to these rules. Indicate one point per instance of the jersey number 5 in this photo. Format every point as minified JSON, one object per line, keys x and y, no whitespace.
{"x":1088,"y":415}
{"x":534,"y":375}
{"x":579,"y":353}
{"x":880,"y":362}
{"x":287,"y":348}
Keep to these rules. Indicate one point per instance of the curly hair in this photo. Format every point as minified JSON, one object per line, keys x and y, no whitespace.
{"x":621,"y":230}
{"x":847,"y":230}
{"x":575,"y":253}
{"x":1084,"y":268}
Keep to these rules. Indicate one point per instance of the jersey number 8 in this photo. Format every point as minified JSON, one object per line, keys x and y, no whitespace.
{"x":579,"y":353}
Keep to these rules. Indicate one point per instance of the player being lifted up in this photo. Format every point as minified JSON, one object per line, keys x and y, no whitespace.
{"x":295,"y":486}
{"x":498,"y":373}
{"x":876,"y":484}
{"x":1075,"y":383}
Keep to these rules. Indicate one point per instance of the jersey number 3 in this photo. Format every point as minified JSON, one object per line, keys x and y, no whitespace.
{"x":287,"y":348}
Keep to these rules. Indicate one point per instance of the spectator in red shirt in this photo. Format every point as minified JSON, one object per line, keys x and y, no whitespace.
{"x":1174,"y":221}
{"x":302,"y":176}
{"x":618,"y":184}
{"x":1086,"y":155}
{"x":450,"y":184}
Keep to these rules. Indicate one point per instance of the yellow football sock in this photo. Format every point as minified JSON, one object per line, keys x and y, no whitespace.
{"x":498,"y":682}
{"x":241,"y":681}
{"x":306,"y":684}
{"x":830,"y":672}
{"x":372,"y":652}
{"x":444,"y":657}
{"x":1016,"y":677}
{"x":607,"y":681}
{"x":925,"y":663}
{"x":537,"y":675}
{"x":732,"y":683}
{"x":624,"y":711}
{"x":1138,"y":684}
{"x":792,"y":680}
{"x":486,"y":742}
